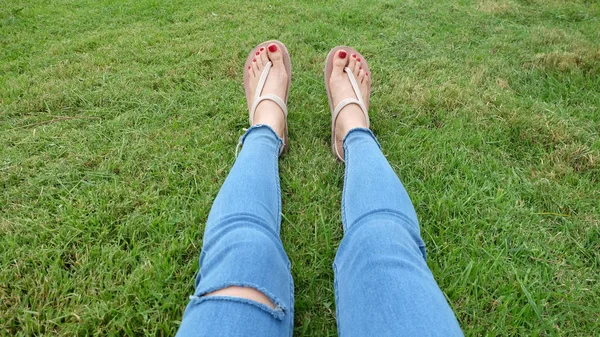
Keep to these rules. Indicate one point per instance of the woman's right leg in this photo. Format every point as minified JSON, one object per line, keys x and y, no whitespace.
{"x":244,"y":287}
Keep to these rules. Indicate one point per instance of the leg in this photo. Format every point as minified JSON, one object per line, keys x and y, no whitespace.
{"x":383,"y":284}
{"x":244,"y":287}
{"x":242,"y":251}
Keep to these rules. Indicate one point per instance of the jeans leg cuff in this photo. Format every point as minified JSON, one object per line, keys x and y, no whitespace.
{"x":259,"y":128}
{"x":356,"y":132}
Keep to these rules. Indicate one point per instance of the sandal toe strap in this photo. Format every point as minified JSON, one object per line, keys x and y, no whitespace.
{"x":341,"y":105}
{"x":270,"y":97}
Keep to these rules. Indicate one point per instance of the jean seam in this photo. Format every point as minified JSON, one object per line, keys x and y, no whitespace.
{"x":278,"y":187}
{"x":337,"y":299}
{"x":346,"y":169}
{"x":344,"y":188}
{"x":291,"y":303}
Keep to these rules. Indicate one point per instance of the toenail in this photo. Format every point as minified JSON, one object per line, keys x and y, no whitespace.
{"x":353,"y":55}
{"x":342,"y":54}
{"x":273,"y":48}
{"x":360,"y":68}
{"x":358,"y":60}
{"x":249,"y":67}
{"x":262,"y":48}
{"x":257,"y":53}
{"x":253,"y":60}
{"x":366,"y":74}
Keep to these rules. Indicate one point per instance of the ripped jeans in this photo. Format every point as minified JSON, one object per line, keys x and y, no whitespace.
{"x":383,"y":286}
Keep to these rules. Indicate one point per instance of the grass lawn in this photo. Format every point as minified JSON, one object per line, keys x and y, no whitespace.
{"x":119,"y":121}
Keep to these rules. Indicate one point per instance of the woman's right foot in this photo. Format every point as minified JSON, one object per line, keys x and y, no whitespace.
{"x":268,"y":112}
{"x":340,"y":87}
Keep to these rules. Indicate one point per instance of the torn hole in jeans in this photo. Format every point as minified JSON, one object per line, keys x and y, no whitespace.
{"x":251,"y":295}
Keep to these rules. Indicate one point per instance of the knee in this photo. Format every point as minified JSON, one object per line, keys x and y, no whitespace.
{"x":245,"y":293}
{"x":252,"y":240}
{"x":387,"y":233}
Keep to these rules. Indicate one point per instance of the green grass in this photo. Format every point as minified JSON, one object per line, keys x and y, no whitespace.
{"x":119,"y":120}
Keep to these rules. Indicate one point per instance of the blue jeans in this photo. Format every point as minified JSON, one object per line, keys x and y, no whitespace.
{"x":383,"y":286}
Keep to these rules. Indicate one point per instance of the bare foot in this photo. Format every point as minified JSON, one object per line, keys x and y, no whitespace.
{"x":351,"y":115}
{"x":268,"y":112}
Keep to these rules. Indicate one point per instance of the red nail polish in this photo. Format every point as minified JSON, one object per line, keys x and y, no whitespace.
{"x":358,"y":60}
{"x":366,"y":74}
{"x":273,"y":48}
{"x":262,"y":48}
{"x":257,"y":53}
{"x":353,"y":55}
{"x":342,"y":54}
{"x":249,"y":67}
{"x":360,"y":68}
{"x":253,"y":60}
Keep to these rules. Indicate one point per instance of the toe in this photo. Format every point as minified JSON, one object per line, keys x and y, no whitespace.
{"x":250,"y":71}
{"x":263,"y":55}
{"x":255,"y":67}
{"x":258,"y":60}
{"x":352,"y":61}
{"x":361,"y":75}
{"x":357,"y":66}
{"x":275,"y":54}
{"x":339,"y":61}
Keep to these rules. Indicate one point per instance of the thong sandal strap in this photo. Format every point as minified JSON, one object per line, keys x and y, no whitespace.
{"x":349,"y":101}
{"x":341,"y":105}
{"x":267,"y":97}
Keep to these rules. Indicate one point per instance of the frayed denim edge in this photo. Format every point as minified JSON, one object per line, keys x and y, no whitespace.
{"x":358,"y":130}
{"x":278,"y":313}
{"x":243,"y":137}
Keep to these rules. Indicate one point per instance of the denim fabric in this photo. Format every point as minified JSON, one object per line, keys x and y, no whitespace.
{"x":242,"y":248}
{"x":383,"y":286}
{"x":382,"y":283}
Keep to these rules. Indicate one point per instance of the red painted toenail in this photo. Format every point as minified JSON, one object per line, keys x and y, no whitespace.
{"x":273,"y":48}
{"x":360,"y":68}
{"x":353,"y":55}
{"x":366,"y":74}
{"x":253,"y":60}
{"x":262,"y":48}
{"x":249,"y":67}
{"x":342,"y":54}
{"x":257,"y":53}
{"x":358,"y":60}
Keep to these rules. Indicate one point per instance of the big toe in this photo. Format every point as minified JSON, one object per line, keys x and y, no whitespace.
{"x":275,"y":54}
{"x":339,"y":61}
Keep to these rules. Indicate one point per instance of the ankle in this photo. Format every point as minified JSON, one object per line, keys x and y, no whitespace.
{"x":350,"y":118}
{"x":269,"y":113}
